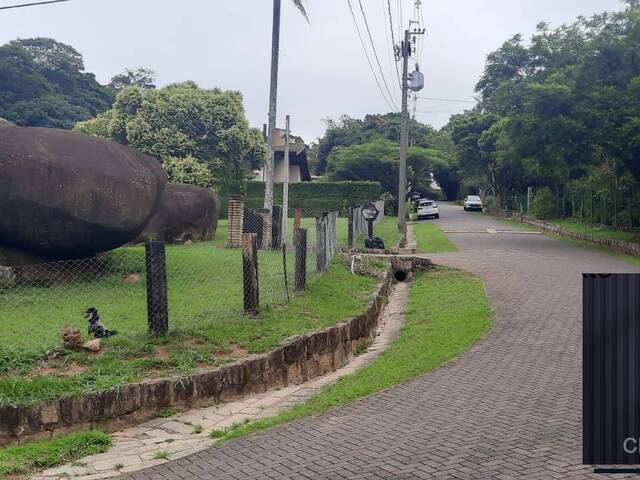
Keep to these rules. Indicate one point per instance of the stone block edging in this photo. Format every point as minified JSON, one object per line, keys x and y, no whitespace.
{"x":302,"y":358}
{"x":629,"y":248}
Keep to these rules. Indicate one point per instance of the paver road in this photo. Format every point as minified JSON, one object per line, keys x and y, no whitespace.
{"x":510,"y":407}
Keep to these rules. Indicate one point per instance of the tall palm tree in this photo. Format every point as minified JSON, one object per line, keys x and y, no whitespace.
{"x":273,"y":99}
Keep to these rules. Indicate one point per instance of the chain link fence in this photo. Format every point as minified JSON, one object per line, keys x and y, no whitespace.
{"x":157,"y":287}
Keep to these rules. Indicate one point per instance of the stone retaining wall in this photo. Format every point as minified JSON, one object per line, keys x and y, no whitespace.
{"x":622,"y":246}
{"x":300,"y":359}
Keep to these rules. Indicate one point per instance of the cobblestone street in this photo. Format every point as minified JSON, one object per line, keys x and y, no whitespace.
{"x":510,"y":407}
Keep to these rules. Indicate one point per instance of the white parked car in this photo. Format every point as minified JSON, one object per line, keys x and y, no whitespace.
{"x":428,"y":208}
{"x":472,"y":202}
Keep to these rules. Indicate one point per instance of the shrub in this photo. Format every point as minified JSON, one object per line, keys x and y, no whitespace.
{"x":313,"y":196}
{"x":188,"y":170}
{"x":544,"y":204}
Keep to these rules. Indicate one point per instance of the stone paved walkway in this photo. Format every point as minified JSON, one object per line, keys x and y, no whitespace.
{"x":136,"y":448}
{"x":509,"y":408}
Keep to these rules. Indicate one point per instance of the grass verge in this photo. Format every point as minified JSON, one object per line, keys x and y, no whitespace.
{"x":387,"y":230}
{"x":448,"y":311}
{"x":601,"y":232}
{"x":582,"y":243}
{"x":27,"y":458}
{"x":431,"y":239}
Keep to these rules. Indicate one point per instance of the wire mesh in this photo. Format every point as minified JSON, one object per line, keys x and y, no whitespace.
{"x":37,"y":301}
{"x":205,"y":284}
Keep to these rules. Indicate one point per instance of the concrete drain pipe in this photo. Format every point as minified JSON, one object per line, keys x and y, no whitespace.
{"x":404,"y":267}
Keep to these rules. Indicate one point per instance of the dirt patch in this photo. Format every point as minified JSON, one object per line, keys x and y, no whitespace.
{"x":235,"y":351}
{"x":161,"y":352}
{"x":57,"y":369}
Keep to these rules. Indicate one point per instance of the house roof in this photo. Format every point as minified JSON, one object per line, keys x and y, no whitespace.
{"x":297,"y":152}
{"x":296,"y":144}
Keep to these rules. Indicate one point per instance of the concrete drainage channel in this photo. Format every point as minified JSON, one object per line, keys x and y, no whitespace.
{"x":186,"y":433}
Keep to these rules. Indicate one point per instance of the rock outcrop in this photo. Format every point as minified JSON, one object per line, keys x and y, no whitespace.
{"x":185,"y":212}
{"x":68,"y":195}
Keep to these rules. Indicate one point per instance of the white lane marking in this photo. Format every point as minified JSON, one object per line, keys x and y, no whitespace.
{"x":491,"y":230}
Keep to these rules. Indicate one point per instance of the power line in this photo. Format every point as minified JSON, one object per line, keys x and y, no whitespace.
{"x":400,"y":19}
{"x":390,"y":53}
{"x":366,"y":53}
{"x":453,"y":100}
{"x":32,"y":4}
{"x":432,"y":111}
{"x":393,"y":41}
{"x":375,"y":54}
{"x":422,"y":25}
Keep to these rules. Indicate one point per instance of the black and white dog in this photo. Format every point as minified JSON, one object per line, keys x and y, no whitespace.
{"x":97,"y":329}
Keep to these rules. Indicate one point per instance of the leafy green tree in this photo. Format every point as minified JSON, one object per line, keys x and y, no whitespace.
{"x":560,"y":113}
{"x":184,"y":121}
{"x":43,"y":83}
{"x":140,"y":77}
{"x":378,"y":160}
{"x":544,"y":204}
{"x":188,"y":170}
{"x":348,"y":131}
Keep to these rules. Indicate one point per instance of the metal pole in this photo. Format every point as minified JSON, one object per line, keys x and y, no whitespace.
{"x":404,"y":137}
{"x":273,"y":100}
{"x":285,"y":184}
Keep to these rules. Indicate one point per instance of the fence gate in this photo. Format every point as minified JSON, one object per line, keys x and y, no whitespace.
{"x":611,"y":369}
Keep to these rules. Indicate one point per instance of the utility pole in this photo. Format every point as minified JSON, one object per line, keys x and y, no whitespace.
{"x":273,"y":99}
{"x":405,"y":48}
{"x":285,"y":183}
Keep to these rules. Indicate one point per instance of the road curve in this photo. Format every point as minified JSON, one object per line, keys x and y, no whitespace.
{"x":510,"y":407}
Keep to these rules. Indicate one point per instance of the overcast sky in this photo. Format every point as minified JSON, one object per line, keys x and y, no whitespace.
{"x":323,"y":70}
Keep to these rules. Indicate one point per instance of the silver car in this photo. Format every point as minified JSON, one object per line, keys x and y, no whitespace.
{"x":428,"y":208}
{"x":472,"y":202}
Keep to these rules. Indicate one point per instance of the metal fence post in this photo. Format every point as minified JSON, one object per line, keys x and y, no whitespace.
{"x":300,"y":242}
{"x":250,"y":273}
{"x":157,"y":304}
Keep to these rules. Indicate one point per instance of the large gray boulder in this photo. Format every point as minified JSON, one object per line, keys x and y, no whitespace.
{"x":68,"y":195}
{"x":185,"y":212}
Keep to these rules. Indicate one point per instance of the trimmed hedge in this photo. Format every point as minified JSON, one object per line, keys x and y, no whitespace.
{"x":313,"y":196}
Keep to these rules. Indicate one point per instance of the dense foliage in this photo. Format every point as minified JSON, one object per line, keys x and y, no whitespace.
{"x":349,"y":131}
{"x":378,"y":160}
{"x":368,"y":150}
{"x":140,"y":77}
{"x":314,"y":197}
{"x":183,"y":121}
{"x":43,"y":84}
{"x":561,"y":111}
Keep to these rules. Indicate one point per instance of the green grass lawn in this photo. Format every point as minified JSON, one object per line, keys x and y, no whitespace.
{"x":205,"y":311}
{"x":447,"y":313}
{"x":27,"y":458}
{"x":387,"y":230}
{"x":583,"y":243}
{"x":601,"y":232}
{"x":431,"y":239}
